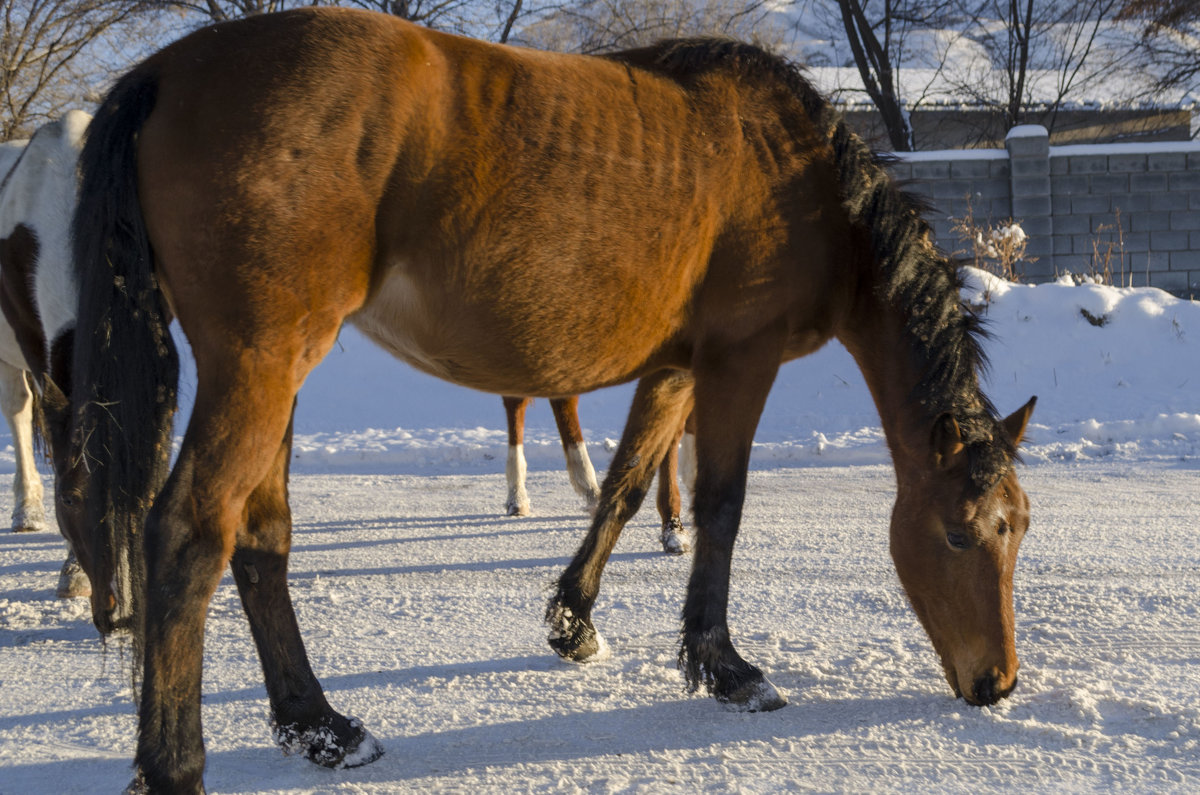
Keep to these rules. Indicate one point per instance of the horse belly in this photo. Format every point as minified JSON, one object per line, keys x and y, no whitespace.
{"x":484,"y":343}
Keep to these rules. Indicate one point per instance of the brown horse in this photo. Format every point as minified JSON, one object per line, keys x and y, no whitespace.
{"x":526,"y":223}
{"x":673,"y":536}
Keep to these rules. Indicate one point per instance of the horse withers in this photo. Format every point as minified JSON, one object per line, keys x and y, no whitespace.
{"x":37,"y":296}
{"x":689,"y":215}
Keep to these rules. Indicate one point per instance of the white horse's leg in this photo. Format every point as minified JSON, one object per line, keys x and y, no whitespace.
{"x":582,"y":474}
{"x":517,"y":503}
{"x":687,"y":463}
{"x":16,"y":403}
{"x":72,"y":580}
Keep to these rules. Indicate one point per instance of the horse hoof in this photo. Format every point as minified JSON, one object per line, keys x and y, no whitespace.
{"x":138,"y":786}
{"x":576,"y":640}
{"x":516,"y":509}
{"x":758,"y":695}
{"x":30,"y":526}
{"x":72,"y":581}
{"x":321,"y":745}
{"x":675,"y":538}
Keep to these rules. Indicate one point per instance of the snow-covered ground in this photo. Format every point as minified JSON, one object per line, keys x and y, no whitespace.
{"x":421,"y":605}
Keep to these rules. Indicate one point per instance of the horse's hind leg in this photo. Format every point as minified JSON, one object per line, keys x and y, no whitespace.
{"x":16,"y":402}
{"x":303,"y":722}
{"x":659,"y":405}
{"x":731,"y":389}
{"x":517,"y":503}
{"x":232,"y":445}
{"x":579,"y":466}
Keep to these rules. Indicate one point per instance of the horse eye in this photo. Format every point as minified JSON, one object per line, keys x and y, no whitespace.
{"x":958,"y":541}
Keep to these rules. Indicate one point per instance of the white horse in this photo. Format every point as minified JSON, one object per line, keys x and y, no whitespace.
{"x":37,"y":296}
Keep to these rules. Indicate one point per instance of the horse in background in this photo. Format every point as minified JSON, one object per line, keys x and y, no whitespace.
{"x":37,"y":197}
{"x":673,"y":534}
{"x":579,"y":466}
{"x":687,"y":215}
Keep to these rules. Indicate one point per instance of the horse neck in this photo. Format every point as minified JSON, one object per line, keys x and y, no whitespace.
{"x":891,"y":362}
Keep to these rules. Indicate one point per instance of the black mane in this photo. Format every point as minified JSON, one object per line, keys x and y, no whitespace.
{"x":911,"y":272}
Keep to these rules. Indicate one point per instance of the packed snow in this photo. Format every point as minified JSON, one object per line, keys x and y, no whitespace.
{"x":421,"y":604}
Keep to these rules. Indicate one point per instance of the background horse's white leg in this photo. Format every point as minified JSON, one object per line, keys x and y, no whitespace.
{"x":687,"y":463}
{"x":16,"y":403}
{"x":579,"y":467}
{"x":517,"y":503}
{"x":582,"y":474}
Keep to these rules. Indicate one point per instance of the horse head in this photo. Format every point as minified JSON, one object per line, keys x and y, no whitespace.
{"x":954,"y":542}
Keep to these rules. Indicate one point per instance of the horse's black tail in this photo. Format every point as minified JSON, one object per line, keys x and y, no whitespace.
{"x":125,"y":369}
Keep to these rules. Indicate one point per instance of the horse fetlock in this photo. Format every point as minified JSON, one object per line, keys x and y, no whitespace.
{"x":336,"y":742}
{"x":573,"y":637}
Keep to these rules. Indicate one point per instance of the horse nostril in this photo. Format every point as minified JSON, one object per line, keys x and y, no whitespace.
{"x":985,"y":690}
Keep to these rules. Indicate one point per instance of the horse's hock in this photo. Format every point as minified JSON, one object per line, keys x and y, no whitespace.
{"x":1133,"y":207}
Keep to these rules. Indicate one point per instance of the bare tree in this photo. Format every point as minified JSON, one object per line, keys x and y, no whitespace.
{"x":1170,"y":38}
{"x":596,"y":26}
{"x":874,"y":57}
{"x":494,"y":19}
{"x":1040,"y":53}
{"x":50,"y":55}
{"x":222,"y":10}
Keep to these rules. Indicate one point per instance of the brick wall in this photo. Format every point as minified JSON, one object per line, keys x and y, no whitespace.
{"x":1071,"y":200}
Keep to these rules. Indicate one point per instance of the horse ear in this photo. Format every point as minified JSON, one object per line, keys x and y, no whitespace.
{"x":947,"y":442}
{"x":1014,"y":424}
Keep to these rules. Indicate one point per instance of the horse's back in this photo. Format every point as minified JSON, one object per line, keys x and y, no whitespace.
{"x":470,"y":204}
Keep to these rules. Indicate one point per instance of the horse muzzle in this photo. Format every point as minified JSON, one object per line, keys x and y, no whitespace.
{"x":987,"y":690}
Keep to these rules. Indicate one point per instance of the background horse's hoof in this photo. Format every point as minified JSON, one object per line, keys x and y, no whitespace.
{"x":30,"y":526}
{"x":323,"y":746}
{"x":516,"y":507}
{"x":72,"y":581}
{"x":575,"y":639}
{"x":758,"y":695}
{"x":675,"y":537}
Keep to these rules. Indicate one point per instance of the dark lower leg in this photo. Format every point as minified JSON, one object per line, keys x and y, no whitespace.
{"x":658,"y":408}
{"x":731,"y":389}
{"x":182,"y":571}
{"x":303,"y":722}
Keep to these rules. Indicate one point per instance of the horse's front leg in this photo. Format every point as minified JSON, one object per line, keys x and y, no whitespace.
{"x":16,"y":402}
{"x":659,"y":406}
{"x":302,"y":720}
{"x":731,"y":389}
